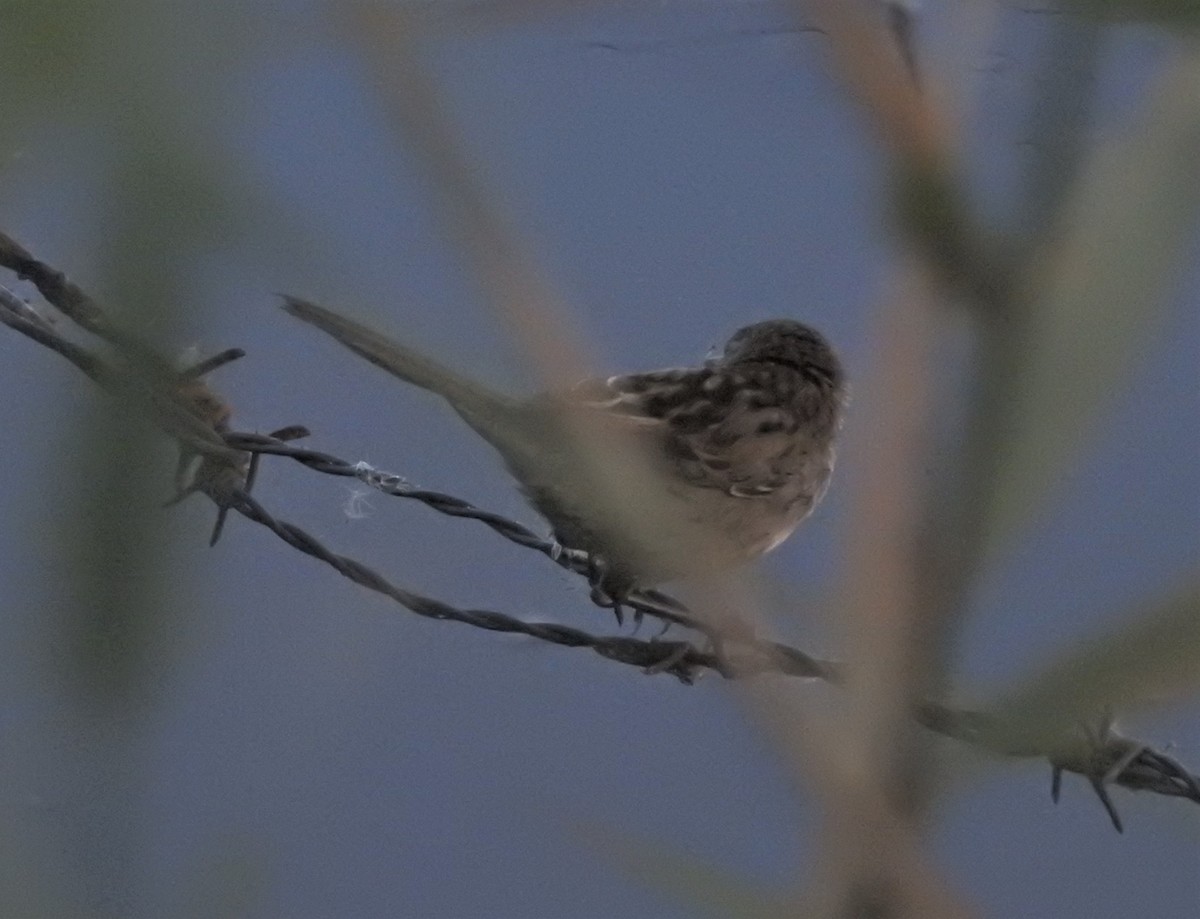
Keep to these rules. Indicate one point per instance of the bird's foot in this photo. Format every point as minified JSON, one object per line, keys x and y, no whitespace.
{"x":609,"y":590}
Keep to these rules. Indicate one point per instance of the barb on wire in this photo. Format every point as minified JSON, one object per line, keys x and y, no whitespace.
{"x":170,"y":408}
{"x":1102,"y":756}
{"x":179,"y":400}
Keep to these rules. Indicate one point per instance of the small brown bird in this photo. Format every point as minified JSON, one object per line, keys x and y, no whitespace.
{"x":742,"y":447}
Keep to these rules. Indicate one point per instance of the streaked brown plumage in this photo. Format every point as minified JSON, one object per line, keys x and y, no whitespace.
{"x":743,"y":445}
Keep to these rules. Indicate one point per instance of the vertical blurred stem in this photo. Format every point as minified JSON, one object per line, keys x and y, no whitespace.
{"x":883,"y":616}
{"x":116,"y":627}
{"x":118,"y":551}
{"x":112,"y":555}
{"x":612,"y":471}
{"x":1064,"y":84}
{"x":101,"y":70}
{"x":951,"y":535}
{"x":506,"y":274}
{"x":944,"y":244}
{"x":955,"y":529}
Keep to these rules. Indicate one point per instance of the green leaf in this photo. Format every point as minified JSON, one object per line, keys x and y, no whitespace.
{"x":1100,"y":292}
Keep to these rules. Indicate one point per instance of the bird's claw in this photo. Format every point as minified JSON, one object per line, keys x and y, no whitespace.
{"x":602,"y":599}
{"x":609,"y":592}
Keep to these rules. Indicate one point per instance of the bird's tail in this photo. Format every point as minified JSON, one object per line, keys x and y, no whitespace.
{"x":494,"y":416}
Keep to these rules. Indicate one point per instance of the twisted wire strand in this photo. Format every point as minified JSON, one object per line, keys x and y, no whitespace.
{"x":680,"y":659}
{"x":74,"y":303}
{"x":1147,"y":770}
{"x":1150,"y":770}
{"x":647,"y":602}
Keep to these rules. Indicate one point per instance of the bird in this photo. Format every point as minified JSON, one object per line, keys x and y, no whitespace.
{"x":740,"y":449}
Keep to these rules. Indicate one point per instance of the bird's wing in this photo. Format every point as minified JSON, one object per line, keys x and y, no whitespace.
{"x":642,"y":397}
{"x":493,"y":415}
{"x":721,"y":428}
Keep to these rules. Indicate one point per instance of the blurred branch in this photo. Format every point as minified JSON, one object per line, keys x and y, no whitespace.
{"x":1095,"y":293}
{"x":504,"y":270}
{"x":902,"y":22}
{"x":1155,"y":657}
{"x":616,"y":470}
{"x":1057,"y":130}
{"x":1183,"y":14}
{"x":905,"y":616}
{"x":876,"y":59}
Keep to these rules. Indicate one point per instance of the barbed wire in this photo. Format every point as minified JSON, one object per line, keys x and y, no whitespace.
{"x":1103,"y":760}
{"x":678,"y":658}
{"x":740,"y":658}
{"x":642,"y":602}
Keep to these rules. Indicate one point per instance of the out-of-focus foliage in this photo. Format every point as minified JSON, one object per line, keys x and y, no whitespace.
{"x":1169,"y":12}
{"x":46,"y":54}
{"x":1099,"y":290}
{"x":145,"y":88}
{"x":1153,"y":660}
{"x":705,"y":888}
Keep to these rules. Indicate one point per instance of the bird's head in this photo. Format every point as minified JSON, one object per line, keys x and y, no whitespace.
{"x":786,"y":342}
